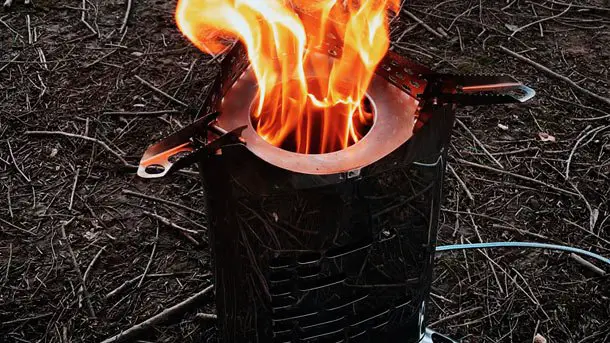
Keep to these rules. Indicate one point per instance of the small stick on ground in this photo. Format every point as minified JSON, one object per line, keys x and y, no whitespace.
{"x":73,"y":189}
{"x":184,"y":231}
{"x":206,"y":316}
{"x":541,"y":21}
{"x":472,"y":164}
{"x":95,"y":258}
{"x":479,"y":143}
{"x":461,"y":182}
{"x":76,"y":267}
{"x":455,"y":315}
{"x":73,"y":135}
{"x":149,"y":197}
{"x":422,"y":23}
{"x":588,"y":264}
{"x":555,"y":75}
{"x":151,"y":86}
{"x":10,"y":257}
{"x":82,"y":17}
{"x":569,"y":161}
{"x":10,"y":150}
{"x":167,"y":314}
{"x":135,"y":279}
{"x":152,"y":255}
{"x":126,"y":17}
{"x":141,"y":113}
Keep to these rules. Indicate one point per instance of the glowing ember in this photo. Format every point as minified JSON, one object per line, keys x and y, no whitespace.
{"x":309,"y":116}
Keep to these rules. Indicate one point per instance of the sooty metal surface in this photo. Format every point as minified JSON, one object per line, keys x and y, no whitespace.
{"x":326,"y":258}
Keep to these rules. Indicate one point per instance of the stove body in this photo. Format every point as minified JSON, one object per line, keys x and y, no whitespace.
{"x":326,"y":258}
{"x":308,"y":254}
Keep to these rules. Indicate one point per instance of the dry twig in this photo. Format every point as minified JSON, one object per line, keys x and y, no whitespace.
{"x":77,"y":268}
{"x":479,"y":143}
{"x":522,"y":177}
{"x":126,"y":17}
{"x":150,"y":197}
{"x":154,"y":88}
{"x":152,"y":255}
{"x":422,"y":23}
{"x":555,"y":75}
{"x":73,"y":135}
{"x":169,"y":313}
{"x":588,"y":264}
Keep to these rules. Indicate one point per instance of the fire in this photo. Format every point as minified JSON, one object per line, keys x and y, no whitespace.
{"x":306,"y":102}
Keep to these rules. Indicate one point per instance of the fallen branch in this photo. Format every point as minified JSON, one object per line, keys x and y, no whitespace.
{"x":167,"y":314}
{"x":556,"y":75}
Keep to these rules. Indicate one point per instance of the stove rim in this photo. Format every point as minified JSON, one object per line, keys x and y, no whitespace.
{"x":395,"y":117}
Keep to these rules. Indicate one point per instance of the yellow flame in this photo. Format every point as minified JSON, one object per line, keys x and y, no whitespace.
{"x":279,"y":36}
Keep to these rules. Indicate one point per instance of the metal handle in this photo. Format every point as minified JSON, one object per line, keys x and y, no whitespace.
{"x":185,"y":147}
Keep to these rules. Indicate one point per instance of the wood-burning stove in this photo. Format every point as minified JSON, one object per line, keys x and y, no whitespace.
{"x":335,"y":247}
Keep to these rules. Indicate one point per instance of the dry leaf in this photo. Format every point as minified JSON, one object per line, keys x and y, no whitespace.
{"x":539,"y":338}
{"x":545,"y":137}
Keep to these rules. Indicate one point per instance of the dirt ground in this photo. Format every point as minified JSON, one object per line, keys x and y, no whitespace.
{"x":63,"y":72}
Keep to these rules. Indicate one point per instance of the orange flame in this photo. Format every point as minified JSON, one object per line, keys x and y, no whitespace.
{"x":294,"y":110}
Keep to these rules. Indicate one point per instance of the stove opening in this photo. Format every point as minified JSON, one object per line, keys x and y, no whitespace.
{"x":322,"y":126}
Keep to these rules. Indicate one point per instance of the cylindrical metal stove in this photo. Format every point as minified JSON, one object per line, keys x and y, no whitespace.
{"x":335,"y":247}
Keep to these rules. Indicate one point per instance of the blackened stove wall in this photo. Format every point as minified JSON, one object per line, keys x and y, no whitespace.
{"x":338,"y":258}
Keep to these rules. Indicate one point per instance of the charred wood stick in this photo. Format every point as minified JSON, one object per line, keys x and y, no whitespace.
{"x":162,"y":317}
{"x":154,"y":88}
{"x":555,"y":75}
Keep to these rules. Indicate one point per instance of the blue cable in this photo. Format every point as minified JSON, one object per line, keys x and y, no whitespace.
{"x":522,"y":245}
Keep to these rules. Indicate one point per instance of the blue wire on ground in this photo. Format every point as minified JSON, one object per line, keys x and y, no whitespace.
{"x":522,"y":245}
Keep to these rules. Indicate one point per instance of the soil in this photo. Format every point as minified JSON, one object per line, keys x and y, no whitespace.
{"x":71,"y":78}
